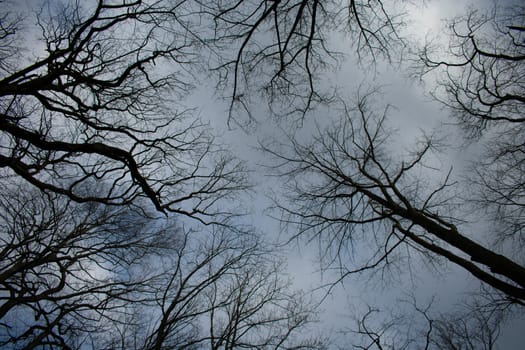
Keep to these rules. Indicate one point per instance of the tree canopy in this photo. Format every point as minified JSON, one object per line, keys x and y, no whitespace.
{"x":124,"y":215}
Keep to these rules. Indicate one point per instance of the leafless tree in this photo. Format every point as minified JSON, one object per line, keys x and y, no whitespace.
{"x":231,"y":294}
{"x":66,"y":268}
{"x":345,"y":189}
{"x":90,"y":107}
{"x":482,"y":67}
{"x":475,"y":332}
{"x":75,"y":275}
{"x":420,"y":328}
{"x":280,"y":48}
{"x":385,"y":335}
{"x":481,"y":75}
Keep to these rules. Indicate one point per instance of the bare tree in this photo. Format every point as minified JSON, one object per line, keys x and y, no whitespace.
{"x":280,"y":48}
{"x":231,"y":294}
{"x":469,"y":332}
{"x":347,"y":191}
{"x":75,"y":275}
{"x":67,"y":268}
{"x":420,"y":328}
{"x":385,"y":335}
{"x":481,"y":69}
{"x":481,"y":78}
{"x":350,"y":192}
{"x":91,"y":108}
